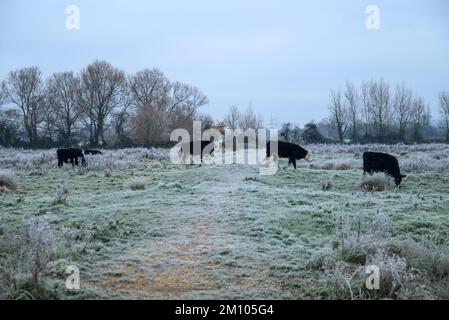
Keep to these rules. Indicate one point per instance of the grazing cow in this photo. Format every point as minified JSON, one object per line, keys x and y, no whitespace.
{"x":382,"y":162}
{"x":188,"y":148}
{"x":72,"y":154}
{"x":291,"y":151}
{"x":92,"y":152}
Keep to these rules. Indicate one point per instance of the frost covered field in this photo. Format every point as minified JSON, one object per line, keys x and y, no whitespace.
{"x":140,"y":227}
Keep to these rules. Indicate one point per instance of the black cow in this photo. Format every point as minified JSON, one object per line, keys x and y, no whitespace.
{"x":92,"y":152}
{"x":187,"y":148}
{"x":72,"y":154}
{"x":382,"y":162}
{"x":289,"y":150}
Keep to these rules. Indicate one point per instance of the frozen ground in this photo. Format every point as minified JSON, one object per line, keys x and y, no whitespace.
{"x":224,"y":231}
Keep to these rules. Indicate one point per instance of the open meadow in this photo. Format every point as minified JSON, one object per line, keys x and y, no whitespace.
{"x":140,"y":227}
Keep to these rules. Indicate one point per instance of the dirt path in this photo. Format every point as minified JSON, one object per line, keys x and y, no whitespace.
{"x":184,"y":265}
{"x":175,"y":267}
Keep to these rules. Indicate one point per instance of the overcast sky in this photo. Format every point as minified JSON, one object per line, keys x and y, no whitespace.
{"x":283,"y":56}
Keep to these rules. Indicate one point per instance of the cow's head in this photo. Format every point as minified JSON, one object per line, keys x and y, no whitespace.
{"x":398,"y":180}
{"x":217,"y":146}
{"x":302,"y":153}
{"x":308,"y":156}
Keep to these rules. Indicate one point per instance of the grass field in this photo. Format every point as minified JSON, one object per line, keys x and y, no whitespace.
{"x":140,"y":227}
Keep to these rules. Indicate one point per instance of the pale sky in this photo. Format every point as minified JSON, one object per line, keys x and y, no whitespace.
{"x":283,"y":56}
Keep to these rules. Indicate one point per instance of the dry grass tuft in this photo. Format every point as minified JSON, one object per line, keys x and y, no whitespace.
{"x":8,"y":181}
{"x":136,"y":184}
{"x":331,"y":166}
{"x":375,"y":182}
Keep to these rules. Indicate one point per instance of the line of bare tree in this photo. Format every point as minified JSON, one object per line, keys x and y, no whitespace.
{"x":379,"y":113}
{"x":100,"y":104}
{"x":236,"y":119}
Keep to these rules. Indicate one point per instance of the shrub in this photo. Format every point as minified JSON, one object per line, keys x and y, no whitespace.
{"x":331,"y":166}
{"x":346,"y":281}
{"x":375,"y":182}
{"x":343,"y":166}
{"x":24,"y":260}
{"x":326,"y":185}
{"x":394,"y":276}
{"x":136,"y":184}
{"x":322,"y":166}
{"x":8,"y":180}
{"x":42,"y":246}
{"x":61,"y":195}
{"x":408,"y":269}
{"x":430,"y":255}
{"x":357,"y":241}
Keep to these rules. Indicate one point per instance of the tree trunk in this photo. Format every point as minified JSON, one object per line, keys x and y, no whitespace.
{"x":98,"y":132}
{"x":447,"y":130}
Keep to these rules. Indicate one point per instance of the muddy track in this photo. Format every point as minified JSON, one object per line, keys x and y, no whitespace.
{"x":180,"y":267}
{"x":175,"y":267}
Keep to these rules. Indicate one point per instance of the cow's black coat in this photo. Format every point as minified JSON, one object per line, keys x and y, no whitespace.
{"x":93,"y":152}
{"x":72,"y":155}
{"x":288,"y":150}
{"x":382,"y":162}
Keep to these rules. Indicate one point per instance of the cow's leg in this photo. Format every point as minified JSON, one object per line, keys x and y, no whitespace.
{"x":186,"y":160}
{"x":265,"y":162}
{"x":289,"y":162}
{"x":183,"y":158}
{"x":60,"y":163}
{"x":294,"y":163}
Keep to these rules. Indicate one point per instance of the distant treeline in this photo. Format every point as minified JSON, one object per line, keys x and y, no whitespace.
{"x":375,"y":113}
{"x":103,"y":106}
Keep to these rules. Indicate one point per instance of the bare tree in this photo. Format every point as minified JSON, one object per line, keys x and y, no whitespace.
{"x":352,"y":108}
{"x":286,"y":132}
{"x":207,"y":122}
{"x":150,"y":92}
{"x":161,"y":106}
{"x":402,"y":106}
{"x":25,"y":89}
{"x":184,"y":104}
{"x":102,"y":88}
{"x":366,"y":108}
{"x":121,"y":126}
{"x":63,"y":95}
{"x":49,"y":124}
{"x":444,"y":110}
{"x":380,"y":105}
{"x":420,"y":118}
{"x":2,"y":95}
{"x":338,"y":114}
{"x":232,"y":118}
{"x":250,"y":120}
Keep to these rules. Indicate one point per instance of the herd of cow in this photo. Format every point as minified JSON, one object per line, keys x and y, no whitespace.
{"x":372,"y":161}
{"x":71,"y":155}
